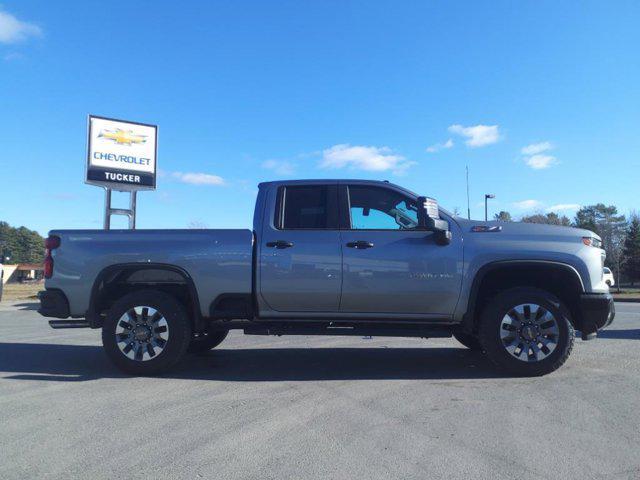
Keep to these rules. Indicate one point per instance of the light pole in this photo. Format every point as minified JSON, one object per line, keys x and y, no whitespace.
{"x":468,"y":207}
{"x":487,"y":196}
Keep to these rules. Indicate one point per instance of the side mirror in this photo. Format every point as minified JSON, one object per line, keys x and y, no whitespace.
{"x":429,"y":219}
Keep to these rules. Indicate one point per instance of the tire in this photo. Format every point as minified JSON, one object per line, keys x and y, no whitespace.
{"x":469,"y":341}
{"x":608,"y":282}
{"x":526,"y":332}
{"x":206,"y":341}
{"x":146,"y":332}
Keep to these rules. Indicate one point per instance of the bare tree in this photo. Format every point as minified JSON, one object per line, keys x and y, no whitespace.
{"x":197,"y":225}
{"x":503,"y":216}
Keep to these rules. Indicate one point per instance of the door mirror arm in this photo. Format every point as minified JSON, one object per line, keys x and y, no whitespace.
{"x":442,"y":237}
{"x":429,"y":219}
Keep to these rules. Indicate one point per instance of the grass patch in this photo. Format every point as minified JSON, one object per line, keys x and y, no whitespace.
{"x":21,"y":291}
{"x":626,"y":293}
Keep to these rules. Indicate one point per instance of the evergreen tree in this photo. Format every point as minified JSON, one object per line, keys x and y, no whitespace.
{"x":550,"y":218}
{"x":21,"y":245}
{"x":631,"y":250}
{"x":605,"y":221}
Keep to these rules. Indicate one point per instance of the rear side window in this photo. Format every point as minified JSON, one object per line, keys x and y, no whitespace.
{"x":311,"y":207}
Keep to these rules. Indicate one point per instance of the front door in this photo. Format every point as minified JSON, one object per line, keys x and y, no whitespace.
{"x":389,"y":266}
{"x":300,"y":251}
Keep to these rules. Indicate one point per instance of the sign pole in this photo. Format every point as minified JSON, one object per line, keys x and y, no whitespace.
{"x":130,"y":212}
{"x":107,"y":208}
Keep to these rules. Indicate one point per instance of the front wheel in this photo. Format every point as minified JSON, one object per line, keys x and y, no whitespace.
{"x":146,"y":332}
{"x":526,"y":331}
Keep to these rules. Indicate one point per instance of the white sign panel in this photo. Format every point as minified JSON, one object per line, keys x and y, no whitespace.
{"x":121,"y":155}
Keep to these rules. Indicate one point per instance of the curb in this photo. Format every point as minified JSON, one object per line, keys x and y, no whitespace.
{"x":626,"y":300}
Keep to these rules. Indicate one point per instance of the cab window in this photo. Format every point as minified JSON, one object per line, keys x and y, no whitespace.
{"x":375,"y":208}
{"x":307,"y":207}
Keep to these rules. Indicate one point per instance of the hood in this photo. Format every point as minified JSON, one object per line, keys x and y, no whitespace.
{"x":525,"y":229}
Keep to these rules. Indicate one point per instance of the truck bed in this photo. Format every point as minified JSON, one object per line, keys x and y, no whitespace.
{"x":218,"y":261}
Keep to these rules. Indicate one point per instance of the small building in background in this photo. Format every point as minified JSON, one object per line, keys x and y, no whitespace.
{"x":22,"y":273}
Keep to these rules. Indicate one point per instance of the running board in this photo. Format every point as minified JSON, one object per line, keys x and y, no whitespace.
{"x":80,"y":323}
{"x":424,"y":332}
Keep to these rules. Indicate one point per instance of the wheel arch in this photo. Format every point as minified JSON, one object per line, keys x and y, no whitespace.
{"x":150,"y":275}
{"x":561,"y":279}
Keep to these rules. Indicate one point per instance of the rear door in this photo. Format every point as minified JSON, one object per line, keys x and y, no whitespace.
{"x":389,"y":266}
{"x":300,"y":251}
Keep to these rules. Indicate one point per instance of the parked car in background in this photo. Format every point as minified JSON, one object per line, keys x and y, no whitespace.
{"x":332,"y":257}
{"x":608,"y":276}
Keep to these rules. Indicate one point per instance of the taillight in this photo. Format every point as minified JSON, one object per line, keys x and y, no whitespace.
{"x":51,"y":243}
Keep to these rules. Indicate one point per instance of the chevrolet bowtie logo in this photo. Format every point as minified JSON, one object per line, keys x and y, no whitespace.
{"x":123,"y":137}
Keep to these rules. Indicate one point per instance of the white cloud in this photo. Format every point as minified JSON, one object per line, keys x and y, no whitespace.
{"x":13,"y":30}
{"x":478,"y":135}
{"x":374,"y":159}
{"x":527,"y":204}
{"x":561,"y":207}
{"x":62,"y":196}
{"x":539,"y":162}
{"x":13,"y":56}
{"x":538,"y":205}
{"x":536,"y":148}
{"x":535,"y":156}
{"x":281,"y":167}
{"x":436,"y":147}
{"x":198,"y":178}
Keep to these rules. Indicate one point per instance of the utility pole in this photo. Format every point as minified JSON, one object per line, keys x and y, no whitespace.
{"x":487,"y":196}
{"x":618,"y":272}
{"x":468,"y":208}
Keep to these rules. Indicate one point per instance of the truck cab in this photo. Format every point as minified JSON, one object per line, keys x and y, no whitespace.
{"x":353,"y":249}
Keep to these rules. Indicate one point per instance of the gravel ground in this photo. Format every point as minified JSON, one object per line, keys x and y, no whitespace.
{"x":315,"y":407}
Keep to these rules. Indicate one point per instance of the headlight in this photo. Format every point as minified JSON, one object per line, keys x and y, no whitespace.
{"x":592,"y":242}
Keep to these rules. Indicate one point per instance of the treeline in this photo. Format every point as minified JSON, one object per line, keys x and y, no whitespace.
{"x":620,"y":236}
{"x":20,"y":245}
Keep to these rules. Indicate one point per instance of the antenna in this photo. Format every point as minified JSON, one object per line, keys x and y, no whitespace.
{"x":468,"y":208}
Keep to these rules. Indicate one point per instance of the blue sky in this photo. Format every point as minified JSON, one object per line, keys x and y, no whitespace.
{"x":541,"y":99}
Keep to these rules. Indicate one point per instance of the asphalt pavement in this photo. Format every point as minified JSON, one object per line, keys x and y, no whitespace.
{"x":315,"y":408}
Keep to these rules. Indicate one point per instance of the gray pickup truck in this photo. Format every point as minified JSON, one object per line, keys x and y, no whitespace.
{"x":332,"y":257}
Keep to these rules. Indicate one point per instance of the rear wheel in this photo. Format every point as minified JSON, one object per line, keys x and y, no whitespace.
{"x":526,"y":331}
{"x":206,"y":341}
{"x":146,"y":332}
{"x":468,"y":340}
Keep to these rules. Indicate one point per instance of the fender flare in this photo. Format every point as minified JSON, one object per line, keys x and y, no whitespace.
{"x":468,"y":318}
{"x":93,"y":315}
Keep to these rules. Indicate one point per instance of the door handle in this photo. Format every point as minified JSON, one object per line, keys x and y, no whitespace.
{"x":360,"y":244}
{"x":280,"y":244}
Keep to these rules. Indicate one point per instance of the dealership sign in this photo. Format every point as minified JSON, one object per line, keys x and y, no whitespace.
{"x":121,"y":155}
